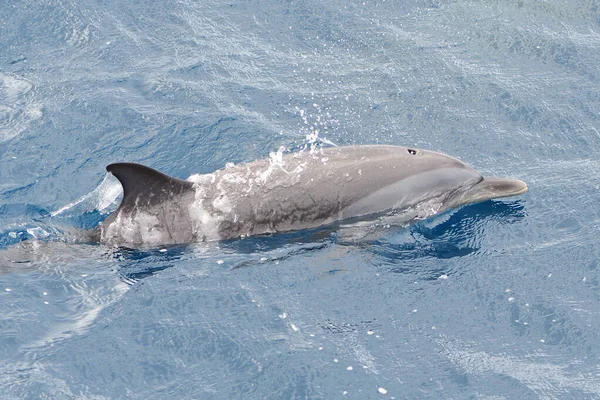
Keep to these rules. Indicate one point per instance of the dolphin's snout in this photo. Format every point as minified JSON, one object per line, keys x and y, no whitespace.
{"x":503,"y":187}
{"x":494,"y":188}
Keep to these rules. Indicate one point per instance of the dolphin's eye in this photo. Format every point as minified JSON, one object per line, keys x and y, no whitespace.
{"x":412,"y":152}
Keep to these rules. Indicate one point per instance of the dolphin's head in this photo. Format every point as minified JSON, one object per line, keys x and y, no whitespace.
{"x":398,"y":178}
{"x":471,"y":187}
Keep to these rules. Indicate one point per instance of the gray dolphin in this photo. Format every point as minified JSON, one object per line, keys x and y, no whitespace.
{"x":293,"y":191}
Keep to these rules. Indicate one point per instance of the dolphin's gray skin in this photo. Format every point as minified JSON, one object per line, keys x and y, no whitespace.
{"x":293,"y":191}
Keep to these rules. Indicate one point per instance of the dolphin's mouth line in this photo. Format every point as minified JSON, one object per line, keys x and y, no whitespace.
{"x":520,"y":191}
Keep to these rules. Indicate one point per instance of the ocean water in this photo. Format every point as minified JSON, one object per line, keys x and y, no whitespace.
{"x":498,"y":300}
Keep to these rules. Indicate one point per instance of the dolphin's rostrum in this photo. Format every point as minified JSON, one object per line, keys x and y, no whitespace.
{"x":293,"y":191}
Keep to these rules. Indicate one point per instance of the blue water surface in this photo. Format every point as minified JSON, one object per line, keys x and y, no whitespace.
{"x":498,"y":300}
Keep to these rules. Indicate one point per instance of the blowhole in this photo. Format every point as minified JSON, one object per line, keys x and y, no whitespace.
{"x":412,"y":152}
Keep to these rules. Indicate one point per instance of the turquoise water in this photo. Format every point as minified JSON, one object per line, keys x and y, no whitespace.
{"x":490,"y":301}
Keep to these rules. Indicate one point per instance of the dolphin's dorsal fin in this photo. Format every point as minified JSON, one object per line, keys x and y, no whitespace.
{"x":144,"y":186}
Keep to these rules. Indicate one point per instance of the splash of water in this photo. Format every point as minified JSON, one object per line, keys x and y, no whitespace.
{"x":103,"y":198}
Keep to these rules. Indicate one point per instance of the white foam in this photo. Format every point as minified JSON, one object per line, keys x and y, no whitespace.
{"x":38,"y":233}
{"x":217,"y":193}
{"x":222,"y":203}
{"x":428,"y":208}
{"x":204,"y":222}
{"x":277,"y":158}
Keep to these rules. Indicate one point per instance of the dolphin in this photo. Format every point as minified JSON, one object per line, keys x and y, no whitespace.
{"x":301,"y":190}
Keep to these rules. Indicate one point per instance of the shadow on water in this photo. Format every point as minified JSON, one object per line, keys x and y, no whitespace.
{"x":456,"y":233}
{"x":135,"y":264}
{"x":276,"y":247}
{"x":453,"y":234}
{"x":270,"y":242}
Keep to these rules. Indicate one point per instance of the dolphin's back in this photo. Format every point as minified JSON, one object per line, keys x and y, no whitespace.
{"x":303,"y":190}
{"x":283,"y":193}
